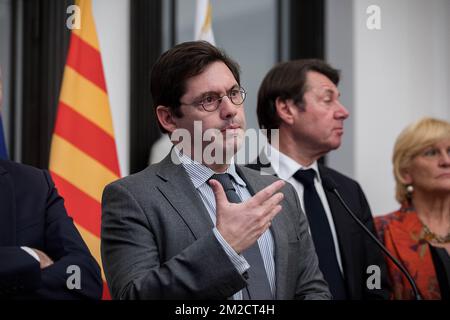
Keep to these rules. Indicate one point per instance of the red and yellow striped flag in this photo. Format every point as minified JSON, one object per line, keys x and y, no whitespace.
{"x":83,"y":157}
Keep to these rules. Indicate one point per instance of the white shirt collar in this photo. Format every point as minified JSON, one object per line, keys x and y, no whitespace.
{"x":284,"y":166}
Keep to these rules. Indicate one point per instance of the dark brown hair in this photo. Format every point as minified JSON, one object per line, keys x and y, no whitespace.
{"x":287,"y":80}
{"x":184,"y":61}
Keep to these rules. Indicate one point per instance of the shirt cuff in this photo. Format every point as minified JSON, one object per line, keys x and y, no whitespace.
{"x":31,"y":253}
{"x":238,"y":260}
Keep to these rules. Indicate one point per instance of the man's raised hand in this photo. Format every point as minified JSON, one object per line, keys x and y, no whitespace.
{"x":241,"y":224}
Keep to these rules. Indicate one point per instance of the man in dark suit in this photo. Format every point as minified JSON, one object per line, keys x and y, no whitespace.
{"x":197,"y":226}
{"x":41,"y":252}
{"x":298,"y":103}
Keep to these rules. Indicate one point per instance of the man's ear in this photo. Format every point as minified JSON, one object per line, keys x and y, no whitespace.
{"x":165,"y":118}
{"x":285,"y":110}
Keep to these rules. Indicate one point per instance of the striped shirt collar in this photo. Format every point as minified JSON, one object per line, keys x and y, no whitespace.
{"x":200,"y":174}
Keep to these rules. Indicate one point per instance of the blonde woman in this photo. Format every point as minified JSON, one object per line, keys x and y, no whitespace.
{"x":418,"y":234}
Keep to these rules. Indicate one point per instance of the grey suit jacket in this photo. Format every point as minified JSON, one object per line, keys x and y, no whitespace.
{"x":157,"y":241}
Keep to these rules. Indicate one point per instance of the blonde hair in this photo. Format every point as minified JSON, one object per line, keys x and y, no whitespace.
{"x":413,"y":140}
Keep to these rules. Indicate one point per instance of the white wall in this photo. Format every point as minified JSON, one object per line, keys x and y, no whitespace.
{"x":400,"y":73}
{"x":112,"y":22}
{"x":339,"y":40}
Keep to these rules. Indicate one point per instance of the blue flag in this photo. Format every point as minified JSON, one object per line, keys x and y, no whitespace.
{"x":3,"y":152}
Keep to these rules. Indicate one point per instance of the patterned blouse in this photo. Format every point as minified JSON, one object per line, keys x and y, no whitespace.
{"x":403,"y":235}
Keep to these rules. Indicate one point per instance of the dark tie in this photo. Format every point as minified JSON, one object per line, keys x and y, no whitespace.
{"x":321,"y":234}
{"x":258,"y":283}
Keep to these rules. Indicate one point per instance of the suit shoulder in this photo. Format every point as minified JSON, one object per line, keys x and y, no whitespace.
{"x":15,"y":168}
{"x":340,"y":178}
{"x":256,"y":174}
{"x":22,"y":173}
{"x":137,"y":179}
{"x":266,"y":179}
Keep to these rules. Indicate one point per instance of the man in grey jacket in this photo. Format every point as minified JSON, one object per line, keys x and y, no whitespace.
{"x":196,"y":225}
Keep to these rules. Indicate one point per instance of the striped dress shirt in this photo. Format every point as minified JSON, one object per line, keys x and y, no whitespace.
{"x":199,"y":175}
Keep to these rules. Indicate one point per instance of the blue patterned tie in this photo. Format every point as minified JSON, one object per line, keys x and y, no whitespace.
{"x":258,"y":283}
{"x":321,"y":234}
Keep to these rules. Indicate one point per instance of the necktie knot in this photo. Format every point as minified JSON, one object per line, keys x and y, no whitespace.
{"x":227,"y":185}
{"x":225,"y":180}
{"x":305,"y":177}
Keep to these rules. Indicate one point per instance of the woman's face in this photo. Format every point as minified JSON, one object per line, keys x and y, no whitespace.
{"x":430,"y":169}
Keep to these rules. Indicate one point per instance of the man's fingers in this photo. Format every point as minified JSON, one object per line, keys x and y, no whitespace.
{"x":275,"y":211}
{"x":219,"y":193}
{"x":271,"y":216}
{"x":44,"y":259}
{"x":274,"y":200}
{"x":267,"y":192}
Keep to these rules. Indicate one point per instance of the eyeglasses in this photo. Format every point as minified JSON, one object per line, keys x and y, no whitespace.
{"x":212,"y":101}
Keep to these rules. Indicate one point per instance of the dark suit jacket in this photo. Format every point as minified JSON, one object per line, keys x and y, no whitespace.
{"x":158,"y":241}
{"x":357,"y":250}
{"x":32,"y":214}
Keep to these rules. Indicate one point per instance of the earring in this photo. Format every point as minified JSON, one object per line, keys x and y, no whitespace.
{"x":409,"y":190}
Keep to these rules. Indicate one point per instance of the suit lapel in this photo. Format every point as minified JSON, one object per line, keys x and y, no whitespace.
{"x":279,"y":236}
{"x":263,"y":165}
{"x":179,"y":191}
{"x":281,"y":254}
{"x":7,"y":210}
